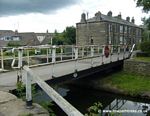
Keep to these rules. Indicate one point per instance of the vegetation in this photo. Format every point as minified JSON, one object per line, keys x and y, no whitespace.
{"x":145,"y":46}
{"x":67,"y":37}
{"x":145,"y":59}
{"x":94,"y":109}
{"x":131,"y":84}
{"x":145,"y":4}
{"x":47,"y":106}
{"x":13,"y":44}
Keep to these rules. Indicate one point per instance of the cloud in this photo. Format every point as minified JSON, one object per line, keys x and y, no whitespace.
{"x":15,"y":7}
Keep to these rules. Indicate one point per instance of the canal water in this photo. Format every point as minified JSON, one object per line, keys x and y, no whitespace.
{"x":83,"y":98}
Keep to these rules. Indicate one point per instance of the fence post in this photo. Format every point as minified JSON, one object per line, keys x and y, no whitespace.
{"x":2,"y":59}
{"x":92,"y":51}
{"x":76,"y":61}
{"x":53,"y":54}
{"x":82,"y":51}
{"x":72,"y":51}
{"x":92,"y":54}
{"x":61,"y":50}
{"x":76,"y":52}
{"x":28,"y":91}
{"x":20,"y":54}
{"x":28,"y":57}
{"x":118,"y":51}
{"x":103,"y":53}
{"x":47,"y":55}
{"x":111,"y":52}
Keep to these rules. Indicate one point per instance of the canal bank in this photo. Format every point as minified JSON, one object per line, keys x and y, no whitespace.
{"x":10,"y":105}
{"x":133,"y":80}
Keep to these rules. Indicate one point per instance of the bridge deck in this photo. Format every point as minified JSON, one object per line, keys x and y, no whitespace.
{"x":8,"y":80}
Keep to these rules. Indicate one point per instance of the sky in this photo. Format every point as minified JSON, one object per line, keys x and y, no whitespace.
{"x":51,"y":15}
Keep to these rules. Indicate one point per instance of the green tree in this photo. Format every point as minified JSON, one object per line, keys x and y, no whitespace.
{"x":69,"y":35}
{"x":146,"y":22}
{"x":57,"y":39}
{"x":145,"y":4}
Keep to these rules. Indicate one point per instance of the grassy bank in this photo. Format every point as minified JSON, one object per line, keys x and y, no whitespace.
{"x":145,"y":59}
{"x":129,"y":83}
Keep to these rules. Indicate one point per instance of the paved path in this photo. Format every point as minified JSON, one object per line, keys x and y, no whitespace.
{"x":10,"y":105}
{"x":8,"y":80}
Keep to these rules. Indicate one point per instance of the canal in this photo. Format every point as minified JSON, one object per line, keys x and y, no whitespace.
{"x":83,"y":97}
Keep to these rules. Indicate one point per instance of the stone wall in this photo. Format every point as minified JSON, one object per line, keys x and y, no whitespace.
{"x":87,"y":31}
{"x":138,"y":67}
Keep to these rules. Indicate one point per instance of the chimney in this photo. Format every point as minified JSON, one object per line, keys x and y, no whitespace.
{"x":47,"y":31}
{"x":133,"y":20}
{"x":16,"y":31}
{"x":98,"y":15}
{"x":109,"y":14}
{"x":128,"y":19}
{"x":119,"y":16}
{"x":83,"y":18}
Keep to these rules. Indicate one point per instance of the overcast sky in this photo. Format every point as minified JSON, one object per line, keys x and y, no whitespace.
{"x":40,"y":15}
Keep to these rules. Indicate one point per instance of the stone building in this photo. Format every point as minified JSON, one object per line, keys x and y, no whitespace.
{"x":107,"y":29}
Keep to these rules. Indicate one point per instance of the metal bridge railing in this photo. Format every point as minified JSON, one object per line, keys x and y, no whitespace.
{"x":58,"y":99}
{"x":30,"y":55}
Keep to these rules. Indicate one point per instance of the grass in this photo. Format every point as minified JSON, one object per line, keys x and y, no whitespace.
{"x":130,"y":83}
{"x":146,"y":59}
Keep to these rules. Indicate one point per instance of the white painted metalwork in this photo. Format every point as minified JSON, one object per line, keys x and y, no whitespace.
{"x":58,"y":99}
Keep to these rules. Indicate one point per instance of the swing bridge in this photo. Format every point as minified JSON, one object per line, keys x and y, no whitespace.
{"x":37,"y":64}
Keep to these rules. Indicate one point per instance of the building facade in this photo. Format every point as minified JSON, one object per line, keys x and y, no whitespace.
{"x":106,"y":29}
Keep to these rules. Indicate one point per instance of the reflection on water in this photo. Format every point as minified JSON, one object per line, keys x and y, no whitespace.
{"x":127,"y":107}
{"x":82,"y":99}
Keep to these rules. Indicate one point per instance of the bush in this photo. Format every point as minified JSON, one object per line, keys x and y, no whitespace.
{"x":145,"y":46}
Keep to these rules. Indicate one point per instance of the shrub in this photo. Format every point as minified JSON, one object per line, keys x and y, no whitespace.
{"x":145,"y":46}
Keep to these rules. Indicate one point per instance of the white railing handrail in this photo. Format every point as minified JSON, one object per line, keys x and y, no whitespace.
{"x":58,"y":99}
{"x":58,"y":52}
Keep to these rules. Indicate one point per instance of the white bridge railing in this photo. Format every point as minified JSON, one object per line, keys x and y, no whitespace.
{"x":41,"y":55}
{"x":59,"y":100}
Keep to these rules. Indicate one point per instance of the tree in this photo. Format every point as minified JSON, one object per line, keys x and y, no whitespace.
{"x":146,"y":8}
{"x":69,"y":35}
{"x":145,"y":4}
{"x":57,"y":39}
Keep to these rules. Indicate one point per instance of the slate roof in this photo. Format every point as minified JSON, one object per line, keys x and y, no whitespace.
{"x":47,"y":39}
{"x":5,"y":33}
{"x":28,"y":38}
{"x":114,"y":19}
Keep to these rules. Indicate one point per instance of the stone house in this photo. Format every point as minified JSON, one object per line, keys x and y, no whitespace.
{"x":107,"y":29}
